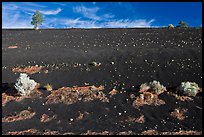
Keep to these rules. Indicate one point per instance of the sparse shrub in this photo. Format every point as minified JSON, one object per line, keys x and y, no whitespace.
{"x":144,"y":87}
{"x":48,"y":87}
{"x":182,"y":24}
{"x":170,"y":26}
{"x":179,"y":113}
{"x":96,"y":64}
{"x":147,"y":98}
{"x":24,"y":84}
{"x":189,"y":88}
{"x":154,"y":87}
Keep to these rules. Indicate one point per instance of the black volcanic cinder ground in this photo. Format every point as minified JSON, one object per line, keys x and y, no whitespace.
{"x":128,"y":57}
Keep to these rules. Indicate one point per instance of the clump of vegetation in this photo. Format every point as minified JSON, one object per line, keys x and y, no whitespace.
{"x":149,"y":94}
{"x":48,"y":87}
{"x":154,"y":87}
{"x":140,"y":119}
{"x":189,"y":88}
{"x":37,"y":19}
{"x":182,"y":24}
{"x":68,"y":95}
{"x":96,"y":64}
{"x":23,"y":115}
{"x":25,"y":85}
{"x":29,"y":69}
{"x":147,"y":98}
{"x":178,"y":113}
{"x":170,"y":26}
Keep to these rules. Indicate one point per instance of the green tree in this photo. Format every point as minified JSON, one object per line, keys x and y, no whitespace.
{"x":37,"y":19}
{"x":182,"y":24}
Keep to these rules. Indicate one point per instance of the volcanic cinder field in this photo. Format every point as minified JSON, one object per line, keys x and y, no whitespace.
{"x":96,"y":76}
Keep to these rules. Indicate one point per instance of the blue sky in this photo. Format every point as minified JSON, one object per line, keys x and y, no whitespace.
{"x":101,"y":14}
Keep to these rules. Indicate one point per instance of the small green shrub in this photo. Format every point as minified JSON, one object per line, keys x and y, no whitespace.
{"x":155,"y":87}
{"x":189,"y":88}
{"x":48,"y":87}
{"x":182,"y":24}
{"x":94,"y":63}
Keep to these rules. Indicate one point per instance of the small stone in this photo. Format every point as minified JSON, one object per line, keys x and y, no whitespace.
{"x":46,"y":71}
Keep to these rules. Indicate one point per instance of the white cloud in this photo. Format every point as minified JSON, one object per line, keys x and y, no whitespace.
{"x":19,"y":16}
{"x":87,"y":12}
{"x":9,"y":6}
{"x":59,"y":3}
{"x":14,"y":20}
{"x":29,"y":7}
{"x":51,"y":12}
{"x":33,"y":4}
{"x":108,"y":15}
{"x":12,"y":17}
{"x":16,"y":16}
{"x":126,"y":23}
{"x":91,"y":13}
{"x":78,"y":23}
{"x":69,"y":23}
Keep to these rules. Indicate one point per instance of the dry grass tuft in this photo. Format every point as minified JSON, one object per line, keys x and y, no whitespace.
{"x":140,"y":119}
{"x":25,"y":114}
{"x":69,"y":95}
{"x":178,"y":113}
{"x":48,"y":87}
{"x":147,"y":98}
{"x":28,"y":70}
